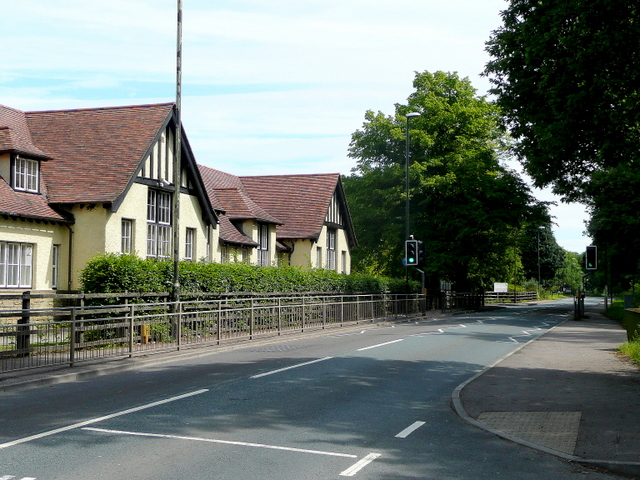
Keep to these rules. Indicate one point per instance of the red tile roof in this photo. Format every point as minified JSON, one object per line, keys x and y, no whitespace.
{"x":26,"y":205}
{"x":14,"y":134}
{"x":227,"y":193}
{"x":95,"y":152}
{"x":300,"y":201}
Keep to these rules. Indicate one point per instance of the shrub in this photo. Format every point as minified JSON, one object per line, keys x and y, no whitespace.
{"x":111,"y":273}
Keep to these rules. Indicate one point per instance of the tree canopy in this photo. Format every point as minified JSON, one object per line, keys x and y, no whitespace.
{"x":467,"y":208}
{"x":567,"y":79}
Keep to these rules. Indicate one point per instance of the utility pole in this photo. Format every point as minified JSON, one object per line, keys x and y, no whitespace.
{"x":177,"y":163}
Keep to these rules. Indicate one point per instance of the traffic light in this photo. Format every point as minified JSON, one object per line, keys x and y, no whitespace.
{"x":591,"y":258}
{"x":411,"y":252}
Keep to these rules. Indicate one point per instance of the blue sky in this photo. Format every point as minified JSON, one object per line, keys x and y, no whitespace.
{"x":269,"y":86}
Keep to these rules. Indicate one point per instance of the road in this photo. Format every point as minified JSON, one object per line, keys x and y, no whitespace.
{"x":370,"y":403}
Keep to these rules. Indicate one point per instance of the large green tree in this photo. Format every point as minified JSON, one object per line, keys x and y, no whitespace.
{"x":541,"y":254}
{"x":566,"y":75}
{"x":466,"y":207}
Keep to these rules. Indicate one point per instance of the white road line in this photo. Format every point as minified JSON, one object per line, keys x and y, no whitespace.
{"x":9,"y":477}
{"x":224,"y":442}
{"x":410,"y":429}
{"x":379,"y":345}
{"x":99,"y":419}
{"x":356,"y":467}
{"x":291,"y":367}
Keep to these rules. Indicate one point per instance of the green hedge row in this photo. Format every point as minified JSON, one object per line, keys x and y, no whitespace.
{"x":113,"y":273}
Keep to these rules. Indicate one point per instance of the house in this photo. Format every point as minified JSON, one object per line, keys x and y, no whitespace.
{"x":247,"y":231}
{"x":77,"y":183}
{"x":304,"y":220}
{"x":83,"y":182}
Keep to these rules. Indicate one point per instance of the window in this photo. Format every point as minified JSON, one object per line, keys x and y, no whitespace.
{"x":126,"y":236}
{"x":263,"y":245}
{"x":331,"y":248}
{"x":318,"y":257}
{"x":15,"y":265}
{"x":55,"y":266}
{"x":158,"y":224}
{"x":344,"y":261}
{"x":189,"y":245}
{"x":25,"y":175}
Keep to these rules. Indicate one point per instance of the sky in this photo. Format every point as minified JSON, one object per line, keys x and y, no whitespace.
{"x":268,"y":86}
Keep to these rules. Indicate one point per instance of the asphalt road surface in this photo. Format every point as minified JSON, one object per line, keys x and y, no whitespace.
{"x":370,"y":403}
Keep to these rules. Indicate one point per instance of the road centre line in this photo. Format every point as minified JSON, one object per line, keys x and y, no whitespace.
{"x":410,"y":429}
{"x":100,"y":419}
{"x":380,"y":345}
{"x":224,"y":442}
{"x":356,"y":467}
{"x":260,"y":375}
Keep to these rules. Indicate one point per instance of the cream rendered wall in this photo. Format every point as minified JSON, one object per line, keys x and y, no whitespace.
{"x":191,"y":217}
{"x":89,"y":237}
{"x":44,"y":237}
{"x":250,"y":228}
{"x":304,"y":253}
{"x":342,"y":245}
{"x":134,"y":207}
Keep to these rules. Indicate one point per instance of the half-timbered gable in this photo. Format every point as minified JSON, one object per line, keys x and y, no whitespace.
{"x":107,"y":173}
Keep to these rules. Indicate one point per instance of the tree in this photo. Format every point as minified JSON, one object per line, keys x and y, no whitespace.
{"x":540,"y":249}
{"x":567,"y":77}
{"x":569,"y":276}
{"x":465,"y":206}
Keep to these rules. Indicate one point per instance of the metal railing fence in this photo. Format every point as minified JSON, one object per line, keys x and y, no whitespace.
{"x":74,"y":334}
{"x":510,"y":297}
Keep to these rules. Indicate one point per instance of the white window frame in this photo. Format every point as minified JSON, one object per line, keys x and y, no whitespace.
{"x":26,"y":175}
{"x":263,"y":244}
{"x":126,"y":235}
{"x":190,"y":243}
{"x":55,"y":266}
{"x":159,"y":224}
{"x":16,"y":265}
{"x":331,"y":248}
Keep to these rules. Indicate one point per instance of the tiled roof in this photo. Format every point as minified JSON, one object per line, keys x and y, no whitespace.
{"x":301,"y":202}
{"x":227,"y":194}
{"x":26,"y":205}
{"x":14,"y":134}
{"x":230,"y":234}
{"x":95,"y":152}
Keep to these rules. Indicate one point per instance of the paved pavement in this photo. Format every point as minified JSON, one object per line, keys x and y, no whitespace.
{"x":567,"y":393}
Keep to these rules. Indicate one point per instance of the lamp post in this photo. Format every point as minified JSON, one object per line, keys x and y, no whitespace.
{"x":408,"y":116}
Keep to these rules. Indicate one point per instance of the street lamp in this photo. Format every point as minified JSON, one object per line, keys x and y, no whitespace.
{"x":408,"y":116}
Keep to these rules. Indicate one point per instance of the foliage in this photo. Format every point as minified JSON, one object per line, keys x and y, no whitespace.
{"x":539,"y":248}
{"x":631,"y":350}
{"x":466,"y":207}
{"x":569,"y":275}
{"x":567,"y":79}
{"x":111,"y":273}
{"x":616,"y":310}
{"x":615,"y":224}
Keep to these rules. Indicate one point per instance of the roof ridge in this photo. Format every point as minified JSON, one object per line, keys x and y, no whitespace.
{"x":291,"y":175}
{"x":96,"y":109}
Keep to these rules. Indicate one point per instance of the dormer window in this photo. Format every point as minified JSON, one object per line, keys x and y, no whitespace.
{"x":25,"y":175}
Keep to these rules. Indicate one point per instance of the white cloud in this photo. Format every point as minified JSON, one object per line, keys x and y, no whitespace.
{"x":268,"y":87}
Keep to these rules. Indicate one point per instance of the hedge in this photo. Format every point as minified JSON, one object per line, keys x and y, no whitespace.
{"x":112,"y":273}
